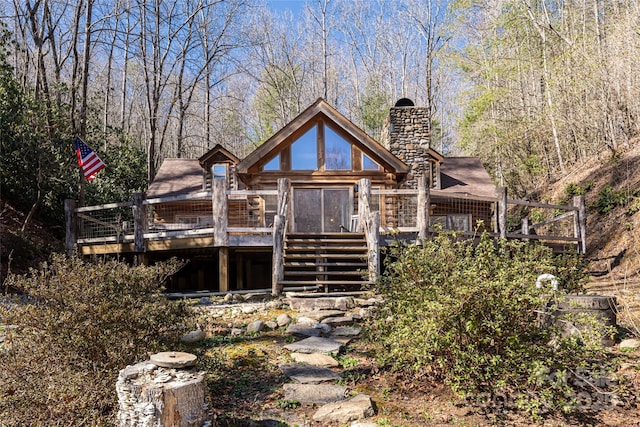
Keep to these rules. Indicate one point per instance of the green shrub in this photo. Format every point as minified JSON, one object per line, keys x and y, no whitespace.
{"x":608,"y":199}
{"x":468,"y":314}
{"x":76,"y":325}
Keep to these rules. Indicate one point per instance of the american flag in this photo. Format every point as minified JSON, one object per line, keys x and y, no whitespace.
{"x":88,"y":160}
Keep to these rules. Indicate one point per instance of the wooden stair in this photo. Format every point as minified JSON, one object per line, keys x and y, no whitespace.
{"x":330,"y":261}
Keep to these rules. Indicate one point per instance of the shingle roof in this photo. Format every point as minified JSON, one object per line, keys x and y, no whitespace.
{"x":176,"y":177}
{"x":466,"y":175}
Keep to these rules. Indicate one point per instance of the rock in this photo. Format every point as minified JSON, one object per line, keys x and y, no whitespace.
{"x":358,"y":424}
{"x":255,"y":327}
{"x":314,"y":393}
{"x":283,"y":320}
{"x":237,"y":298}
{"x":308,"y":374}
{"x":319,"y":315}
{"x":342,"y":412}
{"x":322,"y":303}
{"x":205,"y":301}
{"x":173,"y":359}
{"x":315,"y":345}
{"x":273,"y":305}
{"x":236,"y":331}
{"x":306,"y":321}
{"x":303,"y":330}
{"x":338,"y":321}
{"x":249,"y":309}
{"x":193,"y":337}
{"x":346,"y":331}
{"x":365,"y":312}
{"x":323,"y":327}
{"x":228,"y":298}
{"x":630,"y":343}
{"x":271,"y":324}
{"x":315,"y":359}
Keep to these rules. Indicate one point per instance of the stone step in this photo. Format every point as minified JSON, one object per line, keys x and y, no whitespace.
{"x":308,"y":374}
{"x":315,"y":393}
{"x":315,"y":345}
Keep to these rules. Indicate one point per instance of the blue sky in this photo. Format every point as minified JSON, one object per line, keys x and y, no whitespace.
{"x":295,"y":6}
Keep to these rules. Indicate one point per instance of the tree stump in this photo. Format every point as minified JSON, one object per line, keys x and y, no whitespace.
{"x":153,"y":396}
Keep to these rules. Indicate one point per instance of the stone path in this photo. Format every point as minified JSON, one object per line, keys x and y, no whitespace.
{"x":323,"y":327}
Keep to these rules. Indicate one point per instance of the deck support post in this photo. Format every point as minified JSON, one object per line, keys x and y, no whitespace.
{"x":424,"y":200}
{"x":70,"y":219}
{"x":280,"y":225}
{"x":223,"y":269}
{"x":501,"y":195}
{"x":372,"y":233}
{"x":140,"y":223}
{"x":220,"y":212}
{"x":525,"y":229}
{"x":580,"y":223}
{"x":364,"y":203}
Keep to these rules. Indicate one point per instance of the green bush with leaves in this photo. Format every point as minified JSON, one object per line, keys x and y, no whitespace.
{"x":76,"y":325}
{"x":467,"y":313}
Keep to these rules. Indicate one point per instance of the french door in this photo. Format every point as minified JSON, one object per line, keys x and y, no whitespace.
{"x":321,"y":210}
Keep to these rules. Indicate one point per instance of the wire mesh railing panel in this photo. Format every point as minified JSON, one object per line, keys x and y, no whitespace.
{"x":540,"y":222}
{"x":179,"y":215}
{"x":461,"y":214}
{"x":108,"y":224}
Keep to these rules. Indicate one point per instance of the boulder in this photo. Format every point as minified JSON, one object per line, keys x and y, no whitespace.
{"x":342,"y":412}
{"x":193,"y":337}
{"x":283,"y":320}
{"x":630,"y":343}
{"x":255,"y":327}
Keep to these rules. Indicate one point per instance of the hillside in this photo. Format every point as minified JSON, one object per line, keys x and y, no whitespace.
{"x":611,"y":186}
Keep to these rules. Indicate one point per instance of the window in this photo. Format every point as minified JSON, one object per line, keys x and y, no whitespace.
{"x":337,"y":151}
{"x":273,"y":164}
{"x":368,"y":164}
{"x":220,"y":171}
{"x":304,"y":152}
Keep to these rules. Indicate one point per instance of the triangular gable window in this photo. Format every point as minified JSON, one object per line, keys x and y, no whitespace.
{"x":304,"y":152}
{"x":273,"y":164}
{"x":368,"y":164}
{"x":337,"y":151}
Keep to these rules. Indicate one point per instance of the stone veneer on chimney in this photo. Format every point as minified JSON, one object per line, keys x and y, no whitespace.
{"x":405,"y":134}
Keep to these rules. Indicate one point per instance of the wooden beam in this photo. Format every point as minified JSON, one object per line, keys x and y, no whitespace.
{"x":71,"y":226}
{"x":187,"y":243}
{"x":220,"y":212}
{"x":278,"y":254}
{"x":364,"y":203}
{"x":223,"y":269}
{"x":501,"y":194}
{"x":140,"y":222}
{"x":109,"y":248}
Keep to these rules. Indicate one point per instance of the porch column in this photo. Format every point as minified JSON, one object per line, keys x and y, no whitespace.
{"x":372,"y":232}
{"x":280,"y":225}
{"x":364,"y":203}
{"x":580,"y":223}
{"x":220,"y":210}
{"x":71,"y":226}
{"x":501,"y":195}
{"x":424,"y":200}
{"x":140,"y":222}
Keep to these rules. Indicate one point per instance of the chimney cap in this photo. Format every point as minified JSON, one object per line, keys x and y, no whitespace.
{"x":404,"y":102}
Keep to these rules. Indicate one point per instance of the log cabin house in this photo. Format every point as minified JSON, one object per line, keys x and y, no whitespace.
{"x":309,"y":208}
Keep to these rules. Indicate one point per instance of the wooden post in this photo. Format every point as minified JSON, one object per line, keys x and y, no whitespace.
{"x":364,"y":203}
{"x":372,"y":232}
{"x":525,"y":229}
{"x":580,"y":223}
{"x":220,"y":212}
{"x":223,"y":269}
{"x":424,"y":197}
{"x":278,"y":254}
{"x":71,"y":226}
{"x":502,"y":211}
{"x":140,"y":222}
{"x":284,"y":197}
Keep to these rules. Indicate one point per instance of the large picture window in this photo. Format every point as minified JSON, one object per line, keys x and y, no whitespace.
{"x":337,"y":151}
{"x":304,"y":152}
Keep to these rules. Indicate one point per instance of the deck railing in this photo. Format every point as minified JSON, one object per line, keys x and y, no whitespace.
{"x":221,"y":213}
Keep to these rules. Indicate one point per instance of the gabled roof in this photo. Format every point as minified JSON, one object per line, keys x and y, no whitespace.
{"x":466,"y":175}
{"x":176,"y":177}
{"x":287,"y":134}
{"x":217,"y":154}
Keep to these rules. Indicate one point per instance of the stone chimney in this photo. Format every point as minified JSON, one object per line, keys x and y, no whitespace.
{"x":405,"y":134}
